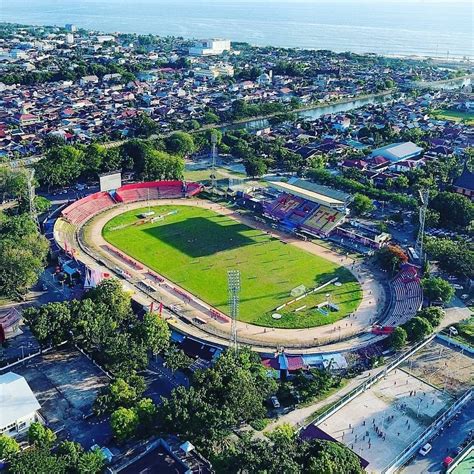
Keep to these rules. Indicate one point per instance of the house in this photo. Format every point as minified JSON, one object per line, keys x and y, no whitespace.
{"x":465,"y":183}
{"x":89,"y":80}
{"x":18,"y":404}
{"x":398,"y":151}
{"x":25,"y":119}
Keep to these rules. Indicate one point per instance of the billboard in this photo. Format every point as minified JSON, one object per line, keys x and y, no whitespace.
{"x":110,"y":181}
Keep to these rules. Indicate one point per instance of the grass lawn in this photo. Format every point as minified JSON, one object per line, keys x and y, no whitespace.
{"x":466,"y":332}
{"x":195,"y":247}
{"x":454,"y":115}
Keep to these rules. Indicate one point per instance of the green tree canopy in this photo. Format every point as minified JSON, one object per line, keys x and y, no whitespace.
{"x":8,"y":446}
{"x":180,"y":143}
{"x":124,"y":423}
{"x":454,"y":209}
{"x":436,"y":288}
{"x":398,"y":338}
{"x":60,"y":167}
{"x":41,"y":436}
{"x":361,"y":204}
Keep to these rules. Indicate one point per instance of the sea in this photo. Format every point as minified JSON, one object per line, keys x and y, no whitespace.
{"x":425,"y":28}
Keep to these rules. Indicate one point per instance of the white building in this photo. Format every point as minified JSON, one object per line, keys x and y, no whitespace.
{"x":18,"y":404}
{"x":71,"y":28}
{"x":70,"y":38}
{"x":210,"y":47}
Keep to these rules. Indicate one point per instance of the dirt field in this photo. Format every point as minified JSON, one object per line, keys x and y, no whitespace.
{"x":66,"y":384}
{"x":383,"y":421}
{"x":443,"y":366}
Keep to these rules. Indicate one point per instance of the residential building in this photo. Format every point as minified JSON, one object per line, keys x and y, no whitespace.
{"x":465,"y":184}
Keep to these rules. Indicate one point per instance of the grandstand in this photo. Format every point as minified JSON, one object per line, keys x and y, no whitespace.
{"x":307,"y":207}
{"x":407,"y":296}
{"x":323,"y":221}
{"x":80,"y":211}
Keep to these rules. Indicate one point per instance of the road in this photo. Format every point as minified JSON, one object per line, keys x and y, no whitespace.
{"x":444,"y":444}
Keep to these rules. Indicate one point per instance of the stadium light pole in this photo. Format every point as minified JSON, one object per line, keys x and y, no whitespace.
{"x":233,"y":284}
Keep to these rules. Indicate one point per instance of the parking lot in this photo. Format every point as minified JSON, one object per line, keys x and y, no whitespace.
{"x":66,"y":384}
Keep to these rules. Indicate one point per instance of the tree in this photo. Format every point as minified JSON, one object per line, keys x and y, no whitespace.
{"x":153,"y":332}
{"x":391,"y":257}
{"x":454,"y":257}
{"x":210,"y":117}
{"x":398,"y":338}
{"x":49,"y":323}
{"x":93,"y":161}
{"x":417,"y":329}
{"x":436,"y":288}
{"x":118,"y":394}
{"x":8,"y":447}
{"x":92,"y":462}
{"x":361,"y":204}
{"x":433,"y":314}
{"x":176,"y":359}
{"x":233,"y":391}
{"x":255,"y":167}
{"x":40,"y":436}
{"x":124,"y":423}
{"x":22,"y":255}
{"x":180,"y":143}
{"x":38,"y":460}
{"x":454,"y":209}
{"x":60,"y":167}
{"x":160,"y":165}
{"x":143,"y":125}
{"x":330,"y":458}
{"x":147,"y":414}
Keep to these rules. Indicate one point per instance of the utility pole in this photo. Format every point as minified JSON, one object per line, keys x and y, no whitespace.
{"x":233,"y":284}
{"x":419,"y":246}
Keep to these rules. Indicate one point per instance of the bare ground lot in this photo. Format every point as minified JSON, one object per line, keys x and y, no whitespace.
{"x":66,"y":384}
{"x":400,"y":406}
{"x":443,"y":366}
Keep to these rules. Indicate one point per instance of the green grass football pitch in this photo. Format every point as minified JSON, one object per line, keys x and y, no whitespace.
{"x":195,"y":247}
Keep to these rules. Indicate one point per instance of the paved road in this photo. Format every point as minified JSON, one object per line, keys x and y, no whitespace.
{"x":444,"y":445}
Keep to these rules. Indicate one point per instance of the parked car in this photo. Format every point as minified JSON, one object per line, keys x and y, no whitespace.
{"x":274,"y":401}
{"x":425,"y":449}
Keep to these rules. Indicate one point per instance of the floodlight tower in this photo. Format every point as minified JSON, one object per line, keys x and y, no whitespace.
{"x":214,"y":159}
{"x":31,"y":196}
{"x":233,"y":284}
{"x":424,"y":197}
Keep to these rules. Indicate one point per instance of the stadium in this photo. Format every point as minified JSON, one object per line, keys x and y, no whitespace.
{"x":173,"y":250}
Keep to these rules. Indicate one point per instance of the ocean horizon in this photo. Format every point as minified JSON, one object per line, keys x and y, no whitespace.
{"x":404,"y":27}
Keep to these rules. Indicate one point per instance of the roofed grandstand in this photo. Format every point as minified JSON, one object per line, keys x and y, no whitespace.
{"x":316,"y":210}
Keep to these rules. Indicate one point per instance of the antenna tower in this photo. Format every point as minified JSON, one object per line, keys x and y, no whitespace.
{"x":419,"y":247}
{"x":233,"y":284}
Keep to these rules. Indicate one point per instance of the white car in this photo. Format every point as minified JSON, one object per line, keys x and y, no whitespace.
{"x":457,"y":287}
{"x":275,"y":402}
{"x":425,"y":449}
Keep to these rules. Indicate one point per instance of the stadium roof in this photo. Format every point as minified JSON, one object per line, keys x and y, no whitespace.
{"x":313,"y":192}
